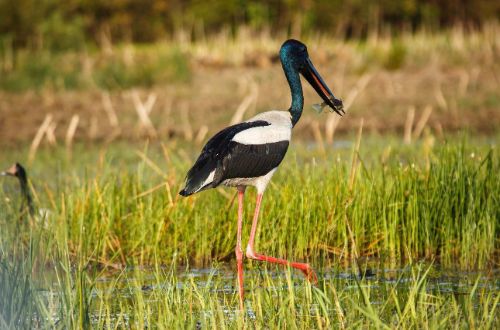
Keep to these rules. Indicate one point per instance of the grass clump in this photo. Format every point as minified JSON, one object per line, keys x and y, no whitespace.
{"x":125,"y":67}
{"x":120,"y":249}
{"x":43,"y":70}
{"x":166,"y":297}
{"x":396,"y":56}
{"x":436,"y":205}
{"x":19,"y":308}
{"x":145,"y":68}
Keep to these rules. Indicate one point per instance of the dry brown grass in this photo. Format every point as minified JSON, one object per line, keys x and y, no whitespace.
{"x":456,"y":74}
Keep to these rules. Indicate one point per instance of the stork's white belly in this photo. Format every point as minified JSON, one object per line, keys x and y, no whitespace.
{"x":259,"y":182}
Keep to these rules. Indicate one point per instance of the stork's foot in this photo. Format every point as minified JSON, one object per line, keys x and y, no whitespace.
{"x":303,"y":267}
{"x":309,"y":273}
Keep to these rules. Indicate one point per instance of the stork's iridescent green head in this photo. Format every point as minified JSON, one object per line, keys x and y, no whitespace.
{"x":295,"y":59}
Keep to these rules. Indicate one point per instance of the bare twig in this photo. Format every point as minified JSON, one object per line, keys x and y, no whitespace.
{"x":50,"y":133}
{"x":144,"y":110}
{"x":151,"y":190}
{"x":332,"y":121}
{"x":109,"y":109}
{"x":245,"y":104}
{"x":151,"y":164}
{"x":441,"y":100}
{"x":409,"y":125}
{"x":150,"y":102}
{"x":357,"y":89}
{"x":422,"y":121}
{"x":242,"y":108}
{"x":70,"y":133}
{"x":38,"y":137}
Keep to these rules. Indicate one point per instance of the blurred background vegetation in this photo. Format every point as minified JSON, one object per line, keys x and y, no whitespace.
{"x":98,"y":60}
{"x":72,"y":24}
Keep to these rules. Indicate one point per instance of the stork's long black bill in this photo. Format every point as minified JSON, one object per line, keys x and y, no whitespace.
{"x":313,"y":77}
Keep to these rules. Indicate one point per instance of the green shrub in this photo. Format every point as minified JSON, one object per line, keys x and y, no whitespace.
{"x":396,"y":56}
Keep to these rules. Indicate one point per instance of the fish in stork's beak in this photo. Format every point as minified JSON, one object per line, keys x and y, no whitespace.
{"x":312,"y":76}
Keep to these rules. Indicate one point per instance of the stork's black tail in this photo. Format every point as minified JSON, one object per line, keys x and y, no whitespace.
{"x":185,"y":192}
{"x":199,"y":177}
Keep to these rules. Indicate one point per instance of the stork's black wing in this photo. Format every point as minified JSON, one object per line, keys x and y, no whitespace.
{"x":251,"y":160}
{"x":212,"y":155}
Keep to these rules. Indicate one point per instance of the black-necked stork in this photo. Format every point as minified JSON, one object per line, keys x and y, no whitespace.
{"x":39,"y":215}
{"x":19,"y":172}
{"x":248,"y":154}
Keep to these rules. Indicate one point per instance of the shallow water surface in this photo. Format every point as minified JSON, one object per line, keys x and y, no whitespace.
{"x":116,"y":296}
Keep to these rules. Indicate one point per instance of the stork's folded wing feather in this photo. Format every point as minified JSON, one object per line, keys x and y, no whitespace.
{"x":208,"y":166}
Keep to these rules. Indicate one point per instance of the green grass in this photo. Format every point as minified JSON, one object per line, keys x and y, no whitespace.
{"x":403,"y":204}
{"x":438,"y":204}
{"x":161,"y":297}
{"x":18,"y":296}
{"x":59,"y":66}
{"x":126,"y":67}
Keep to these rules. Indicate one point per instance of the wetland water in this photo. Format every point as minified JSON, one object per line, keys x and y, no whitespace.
{"x":115,"y":295}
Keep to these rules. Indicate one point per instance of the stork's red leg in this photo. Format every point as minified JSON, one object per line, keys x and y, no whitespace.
{"x":305,"y":268}
{"x":239,"y":250}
